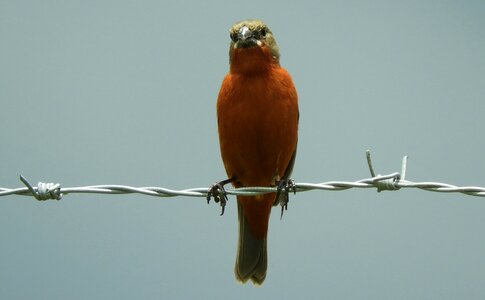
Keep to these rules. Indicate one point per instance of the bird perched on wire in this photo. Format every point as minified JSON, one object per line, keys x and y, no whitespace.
{"x":257,"y":117}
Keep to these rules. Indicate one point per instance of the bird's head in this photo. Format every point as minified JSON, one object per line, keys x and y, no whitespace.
{"x":253,"y":35}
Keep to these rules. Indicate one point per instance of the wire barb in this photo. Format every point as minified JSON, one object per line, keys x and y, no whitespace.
{"x":388,"y":184}
{"x":44,"y":191}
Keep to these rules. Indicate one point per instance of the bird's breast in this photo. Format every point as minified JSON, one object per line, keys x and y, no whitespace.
{"x":257,"y":120}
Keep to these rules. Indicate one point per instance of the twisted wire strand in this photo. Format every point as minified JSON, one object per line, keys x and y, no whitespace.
{"x":382,"y":182}
{"x":390,"y":182}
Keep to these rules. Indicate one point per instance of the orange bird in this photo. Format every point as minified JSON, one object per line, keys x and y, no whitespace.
{"x":257,"y":116}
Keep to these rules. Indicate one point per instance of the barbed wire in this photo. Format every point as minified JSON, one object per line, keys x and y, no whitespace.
{"x":390,"y":182}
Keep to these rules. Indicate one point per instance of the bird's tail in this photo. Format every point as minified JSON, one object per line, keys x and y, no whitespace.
{"x":252,"y":259}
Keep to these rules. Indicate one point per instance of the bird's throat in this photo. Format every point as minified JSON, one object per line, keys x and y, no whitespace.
{"x":251,"y":60}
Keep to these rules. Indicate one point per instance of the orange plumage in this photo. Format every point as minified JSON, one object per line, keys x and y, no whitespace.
{"x":257,"y":113}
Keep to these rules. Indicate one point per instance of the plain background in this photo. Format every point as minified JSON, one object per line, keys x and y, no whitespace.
{"x":123,"y":92}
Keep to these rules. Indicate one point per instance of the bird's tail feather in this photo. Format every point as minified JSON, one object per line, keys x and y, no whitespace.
{"x":252,"y":259}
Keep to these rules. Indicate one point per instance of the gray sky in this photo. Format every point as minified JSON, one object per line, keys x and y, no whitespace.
{"x":123,"y":92}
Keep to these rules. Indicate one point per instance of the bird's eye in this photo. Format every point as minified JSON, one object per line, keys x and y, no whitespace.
{"x":233,"y":36}
{"x":263,"y":32}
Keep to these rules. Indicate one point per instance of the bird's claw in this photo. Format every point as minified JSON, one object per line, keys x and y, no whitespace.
{"x":284,"y":187}
{"x":219,"y":193}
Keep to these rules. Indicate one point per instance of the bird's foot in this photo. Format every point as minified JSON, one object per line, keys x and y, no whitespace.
{"x":219,"y":194}
{"x":284,"y":188}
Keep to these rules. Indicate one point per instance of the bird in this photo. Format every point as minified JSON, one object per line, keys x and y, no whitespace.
{"x":257,"y":120}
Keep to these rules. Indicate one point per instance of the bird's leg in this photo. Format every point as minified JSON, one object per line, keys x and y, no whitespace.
{"x":219,"y":193}
{"x":284,"y":187}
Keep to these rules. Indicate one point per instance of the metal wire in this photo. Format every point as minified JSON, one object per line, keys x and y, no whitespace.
{"x":390,"y":182}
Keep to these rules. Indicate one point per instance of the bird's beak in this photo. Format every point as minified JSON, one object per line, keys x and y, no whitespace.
{"x":247,"y":38}
{"x":244,"y":33}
